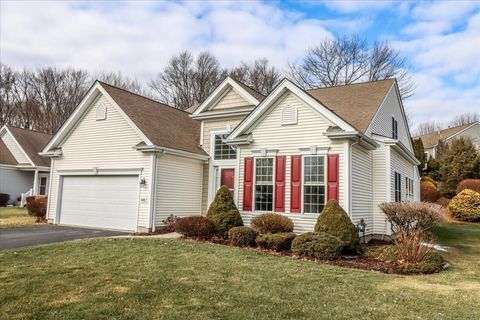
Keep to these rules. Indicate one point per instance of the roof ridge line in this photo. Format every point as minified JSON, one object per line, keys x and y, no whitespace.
{"x":349,"y":84}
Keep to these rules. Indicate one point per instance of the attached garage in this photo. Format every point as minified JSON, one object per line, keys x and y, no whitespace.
{"x":100,"y":201}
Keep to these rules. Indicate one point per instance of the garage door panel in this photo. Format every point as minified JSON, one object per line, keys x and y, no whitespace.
{"x":100,"y":201}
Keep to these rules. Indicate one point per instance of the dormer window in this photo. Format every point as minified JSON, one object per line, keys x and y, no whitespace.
{"x":394,"y":128}
{"x":101,"y":113}
{"x":289,"y":115}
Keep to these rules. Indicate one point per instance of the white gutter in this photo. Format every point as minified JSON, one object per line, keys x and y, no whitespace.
{"x":367,"y":142}
{"x":222,"y":114}
{"x":176,"y":152}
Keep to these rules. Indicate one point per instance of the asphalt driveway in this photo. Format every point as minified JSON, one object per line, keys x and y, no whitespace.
{"x":35,"y":235}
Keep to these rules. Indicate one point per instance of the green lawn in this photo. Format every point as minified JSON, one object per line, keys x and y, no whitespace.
{"x":15,"y":217}
{"x":177,"y":279}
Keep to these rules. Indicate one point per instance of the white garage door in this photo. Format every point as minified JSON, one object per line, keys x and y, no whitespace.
{"x":100,"y":201}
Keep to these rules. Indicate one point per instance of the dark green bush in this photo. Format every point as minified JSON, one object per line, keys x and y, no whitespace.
{"x":276,"y":241}
{"x":335,"y":221}
{"x":224,"y":213}
{"x":242,"y":236}
{"x":4,"y":197}
{"x":196,"y":227}
{"x":318,"y":245}
{"x":271,"y":223}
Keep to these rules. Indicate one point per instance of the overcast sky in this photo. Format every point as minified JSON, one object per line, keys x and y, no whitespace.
{"x":441,"y":40}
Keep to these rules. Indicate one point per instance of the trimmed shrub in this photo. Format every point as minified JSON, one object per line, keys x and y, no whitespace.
{"x":224,"y":213}
{"x":276,"y":241}
{"x":318,"y":245}
{"x":4,"y":197}
{"x":431,"y":263}
{"x":428,"y":192}
{"x":196,"y":227}
{"x":472,"y":184}
{"x":271,"y":223}
{"x":411,"y":216}
{"x":170,"y":222}
{"x":37,"y":207}
{"x":444,"y":202}
{"x":335,"y":221}
{"x":242,"y":236}
{"x":465,"y":206}
{"x":428,"y":179}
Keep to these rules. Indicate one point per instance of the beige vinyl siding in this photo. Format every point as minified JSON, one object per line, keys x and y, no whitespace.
{"x":287,"y":139}
{"x":380,"y":187}
{"x":204,"y":188}
{"x":230,"y":99}
{"x":224,"y":124}
{"x":362,"y":187}
{"x":14,"y":148}
{"x":178,"y":187}
{"x":104,"y":144}
{"x":382,"y":122}
{"x":405,"y":168}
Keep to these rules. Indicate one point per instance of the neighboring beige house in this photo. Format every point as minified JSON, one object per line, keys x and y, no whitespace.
{"x":22,"y":171}
{"x":122,"y":161}
{"x":430,"y":141}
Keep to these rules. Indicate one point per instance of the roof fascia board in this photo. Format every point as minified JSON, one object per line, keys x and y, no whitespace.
{"x":18,"y":145}
{"x":155,"y":148}
{"x":357,"y":135}
{"x":398,"y":146}
{"x":402,"y":109}
{"x":285,"y":85}
{"x":222,"y":114}
{"x":220,"y":90}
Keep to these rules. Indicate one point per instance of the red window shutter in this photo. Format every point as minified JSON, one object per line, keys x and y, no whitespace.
{"x":332,"y":167}
{"x":280,"y":183}
{"x":248,"y":184}
{"x":296,"y":185}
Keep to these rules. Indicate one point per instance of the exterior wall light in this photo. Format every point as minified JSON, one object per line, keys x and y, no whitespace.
{"x":143,"y":182}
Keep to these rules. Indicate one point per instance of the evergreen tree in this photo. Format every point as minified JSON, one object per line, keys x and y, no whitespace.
{"x":223,"y":212}
{"x":418,"y":150}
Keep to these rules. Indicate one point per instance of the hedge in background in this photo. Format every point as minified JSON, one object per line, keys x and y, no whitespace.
{"x":37,"y":207}
{"x":223,"y":212}
{"x":472,"y":184}
{"x":242,"y":236}
{"x":276,"y":241}
{"x":335,"y":221}
{"x":271,"y":223}
{"x":196,"y":227}
{"x":465,"y":206}
{"x":4,"y":197}
{"x":318,"y":245}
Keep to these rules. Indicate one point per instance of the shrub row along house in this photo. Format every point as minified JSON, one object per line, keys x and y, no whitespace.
{"x":123,"y":161}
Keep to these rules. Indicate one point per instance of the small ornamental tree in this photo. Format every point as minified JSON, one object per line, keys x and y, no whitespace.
{"x":224,"y":213}
{"x":335,"y":221}
{"x":418,"y":151}
{"x":461,"y":161}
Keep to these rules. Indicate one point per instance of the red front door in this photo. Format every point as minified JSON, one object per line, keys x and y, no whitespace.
{"x":228,"y":179}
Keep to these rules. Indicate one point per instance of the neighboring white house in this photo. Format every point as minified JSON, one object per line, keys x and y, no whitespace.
{"x":122,"y":161}
{"x":22,"y":171}
{"x":430,"y":141}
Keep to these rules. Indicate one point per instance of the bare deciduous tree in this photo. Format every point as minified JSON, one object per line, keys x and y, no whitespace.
{"x":117,"y":79}
{"x":464,"y":118}
{"x":427,"y":127}
{"x":349,"y":60}
{"x":259,"y":75}
{"x":186,"y":80}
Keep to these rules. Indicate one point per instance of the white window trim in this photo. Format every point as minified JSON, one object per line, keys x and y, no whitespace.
{"x":303,"y":182}
{"x":255,"y":183}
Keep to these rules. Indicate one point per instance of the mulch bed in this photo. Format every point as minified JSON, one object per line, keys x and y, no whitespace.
{"x":358,"y":261}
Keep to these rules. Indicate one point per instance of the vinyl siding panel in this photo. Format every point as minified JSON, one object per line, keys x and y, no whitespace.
{"x":231,"y":99}
{"x":405,"y":168}
{"x":362,"y":187}
{"x":14,"y":148}
{"x":382,"y":122}
{"x":380,"y":187}
{"x":104,"y":144}
{"x":472,"y":133}
{"x":287,"y":139}
{"x":178,"y":187}
{"x":15,"y":182}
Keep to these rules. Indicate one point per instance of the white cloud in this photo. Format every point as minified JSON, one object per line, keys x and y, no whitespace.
{"x":350,"y":6}
{"x":138,"y":37}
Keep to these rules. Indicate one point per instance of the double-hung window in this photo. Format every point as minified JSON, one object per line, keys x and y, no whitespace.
{"x":314,"y":184}
{"x":264,"y":184}
{"x":408,"y":189}
{"x":222,"y":150}
{"x":398,"y":187}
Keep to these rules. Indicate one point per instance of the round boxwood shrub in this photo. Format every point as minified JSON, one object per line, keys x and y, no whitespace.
{"x":242,"y":236}
{"x":271,"y":223}
{"x":318,"y":245}
{"x":276,"y":241}
{"x":224,"y":213}
{"x":196,"y":227}
{"x":335,"y":221}
{"x":465,"y":206}
{"x":430,"y":180}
